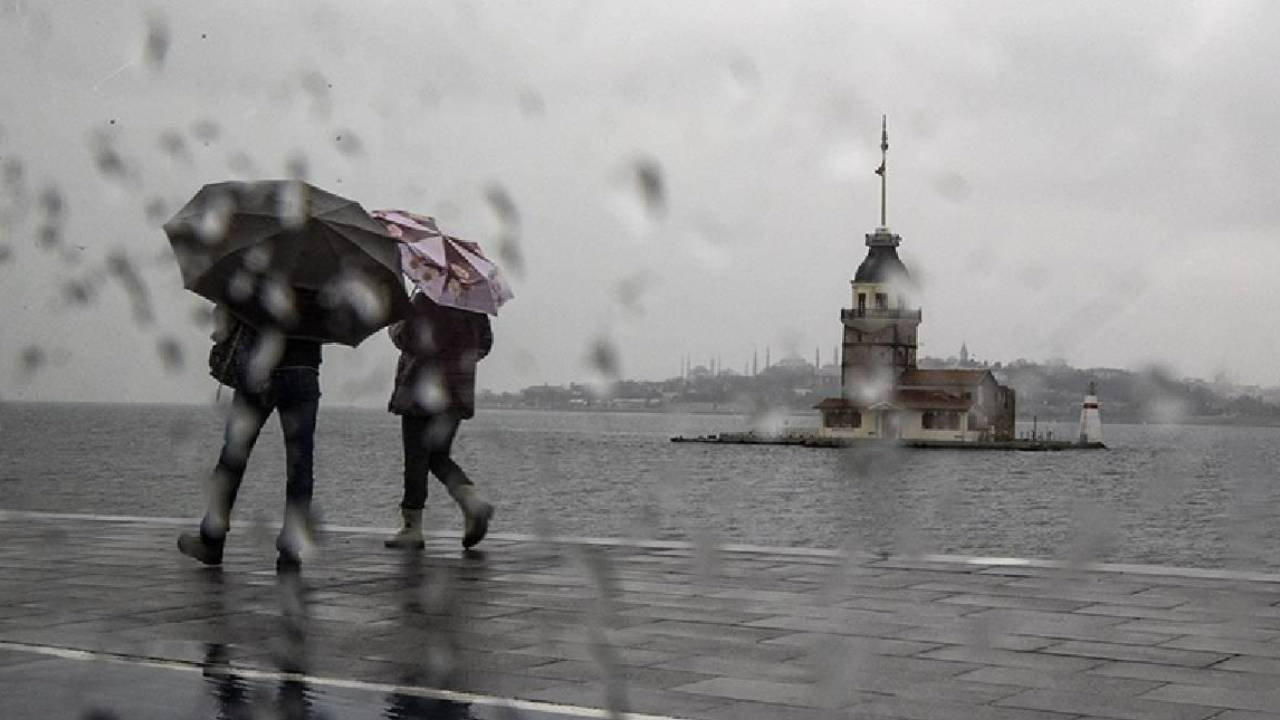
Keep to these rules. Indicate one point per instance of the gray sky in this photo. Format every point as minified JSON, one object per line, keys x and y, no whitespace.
{"x":1092,"y":181}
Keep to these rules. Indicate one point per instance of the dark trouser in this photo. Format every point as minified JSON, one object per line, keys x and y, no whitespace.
{"x":428,"y":440}
{"x":295,"y":394}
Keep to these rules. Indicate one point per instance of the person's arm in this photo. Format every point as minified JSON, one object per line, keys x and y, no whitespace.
{"x":484,"y":343}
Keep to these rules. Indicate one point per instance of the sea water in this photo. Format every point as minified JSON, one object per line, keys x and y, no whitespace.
{"x":1164,"y":494}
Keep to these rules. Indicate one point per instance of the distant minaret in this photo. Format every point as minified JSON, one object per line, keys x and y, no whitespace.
{"x":964,"y":355}
{"x":817,"y":358}
{"x":767,"y":363}
{"x":1090,"y":419}
{"x":755,"y":362}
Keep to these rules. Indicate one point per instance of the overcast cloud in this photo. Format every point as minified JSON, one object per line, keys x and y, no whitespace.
{"x":1090,"y":181}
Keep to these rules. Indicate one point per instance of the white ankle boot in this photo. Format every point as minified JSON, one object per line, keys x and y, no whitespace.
{"x":410,"y":536}
{"x":476,"y":513}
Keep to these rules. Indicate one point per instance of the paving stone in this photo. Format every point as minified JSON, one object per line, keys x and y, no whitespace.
{"x":637,"y":699}
{"x":1085,"y":682}
{"x":1248,"y":664}
{"x":1236,"y":630}
{"x":763,"y":691}
{"x":1111,"y":707}
{"x":908,"y":709}
{"x":1136,"y":653}
{"x":631,"y":675}
{"x":1246,"y":715}
{"x":1215,"y":677}
{"x":1010,"y":658}
{"x":1264,"y":700}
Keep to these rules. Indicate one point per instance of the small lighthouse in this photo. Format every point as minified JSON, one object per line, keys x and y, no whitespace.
{"x":1090,"y":420}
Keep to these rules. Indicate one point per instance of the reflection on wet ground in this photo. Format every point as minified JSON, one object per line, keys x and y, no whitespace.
{"x":40,"y":688}
{"x":102,"y":618}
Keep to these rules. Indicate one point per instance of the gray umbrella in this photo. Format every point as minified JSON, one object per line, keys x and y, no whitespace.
{"x":285,"y":255}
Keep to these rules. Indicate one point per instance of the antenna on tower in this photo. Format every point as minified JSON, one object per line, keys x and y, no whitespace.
{"x":881,"y":171}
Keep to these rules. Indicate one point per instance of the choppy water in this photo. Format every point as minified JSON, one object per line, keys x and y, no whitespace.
{"x":1197,"y":496}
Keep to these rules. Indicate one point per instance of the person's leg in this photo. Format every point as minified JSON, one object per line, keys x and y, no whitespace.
{"x":248,"y":413}
{"x":413,"y":432}
{"x":297,"y":401}
{"x":441,"y":430}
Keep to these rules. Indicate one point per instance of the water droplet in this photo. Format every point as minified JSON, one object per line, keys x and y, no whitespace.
{"x":157,"y":45}
{"x":240,"y":164}
{"x":32,"y":358}
{"x":294,"y":204}
{"x":78,"y":292}
{"x":953,"y":187}
{"x":296,"y":167}
{"x":215,"y":218}
{"x":48,"y":236}
{"x":174,"y":145}
{"x":156,"y":211}
{"x":429,"y":392}
{"x":206,"y":131}
{"x":743,"y":79}
{"x":170,"y":353}
{"x":630,"y":292}
{"x":639,"y":199}
{"x":532,"y":104}
{"x":121,"y":267}
{"x":6,"y":254}
{"x":707,"y":555}
{"x":316,"y":87}
{"x":52,"y":203}
{"x":109,"y":162}
{"x":604,"y":358}
{"x":348,"y":143}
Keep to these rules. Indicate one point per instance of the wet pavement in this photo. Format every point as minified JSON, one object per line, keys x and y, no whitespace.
{"x":102,"y":618}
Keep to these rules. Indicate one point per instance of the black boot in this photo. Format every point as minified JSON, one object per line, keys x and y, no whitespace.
{"x":202,"y":547}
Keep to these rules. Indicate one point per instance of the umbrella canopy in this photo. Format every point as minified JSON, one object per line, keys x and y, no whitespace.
{"x":288,"y":256}
{"x":449,"y":270}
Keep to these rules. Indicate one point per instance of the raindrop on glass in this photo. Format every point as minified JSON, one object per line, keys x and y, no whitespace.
{"x":32,"y":358}
{"x":296,"y":167}
{"x":174,"y":145}
{"x":156,"y":211}
{"x":157,"y":44}
{"x":170,"y":353}
{"x":52,"y":204}
{"x":121,"y":267}
{"x":348,"y":143}
{"x":206,"y":131}
{"x":109,"y":162}
{"x":603,"y":356}
{"x":78,"y":292}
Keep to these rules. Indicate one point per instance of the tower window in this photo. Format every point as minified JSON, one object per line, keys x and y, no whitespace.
{"x":882,"y":301}
{"x":862,"y":303}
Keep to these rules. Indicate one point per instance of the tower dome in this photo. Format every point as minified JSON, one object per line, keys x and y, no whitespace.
{"x":882,"y":264}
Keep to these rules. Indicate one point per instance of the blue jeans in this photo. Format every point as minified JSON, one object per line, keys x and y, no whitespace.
{"x":294,"y":393}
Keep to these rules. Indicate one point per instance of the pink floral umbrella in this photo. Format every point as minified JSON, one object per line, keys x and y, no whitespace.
{"x":449,"y":270}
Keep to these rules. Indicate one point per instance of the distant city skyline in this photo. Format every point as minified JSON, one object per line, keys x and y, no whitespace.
{"x":1087,"y":182}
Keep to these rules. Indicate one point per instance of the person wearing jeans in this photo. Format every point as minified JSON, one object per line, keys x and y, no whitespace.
{"x":434,"y":392}
{"x":292,"y":390}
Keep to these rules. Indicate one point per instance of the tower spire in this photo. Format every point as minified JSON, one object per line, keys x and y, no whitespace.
{"x":884,"y":156}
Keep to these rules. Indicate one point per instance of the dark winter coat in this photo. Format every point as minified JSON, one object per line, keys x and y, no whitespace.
{"x":439,"y":349}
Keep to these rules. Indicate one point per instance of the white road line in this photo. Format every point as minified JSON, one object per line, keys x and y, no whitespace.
{"x":576,"y":711}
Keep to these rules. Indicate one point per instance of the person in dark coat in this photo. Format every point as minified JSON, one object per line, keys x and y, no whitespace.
{"x":434,"y":392}
{"x":284,"y":377}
